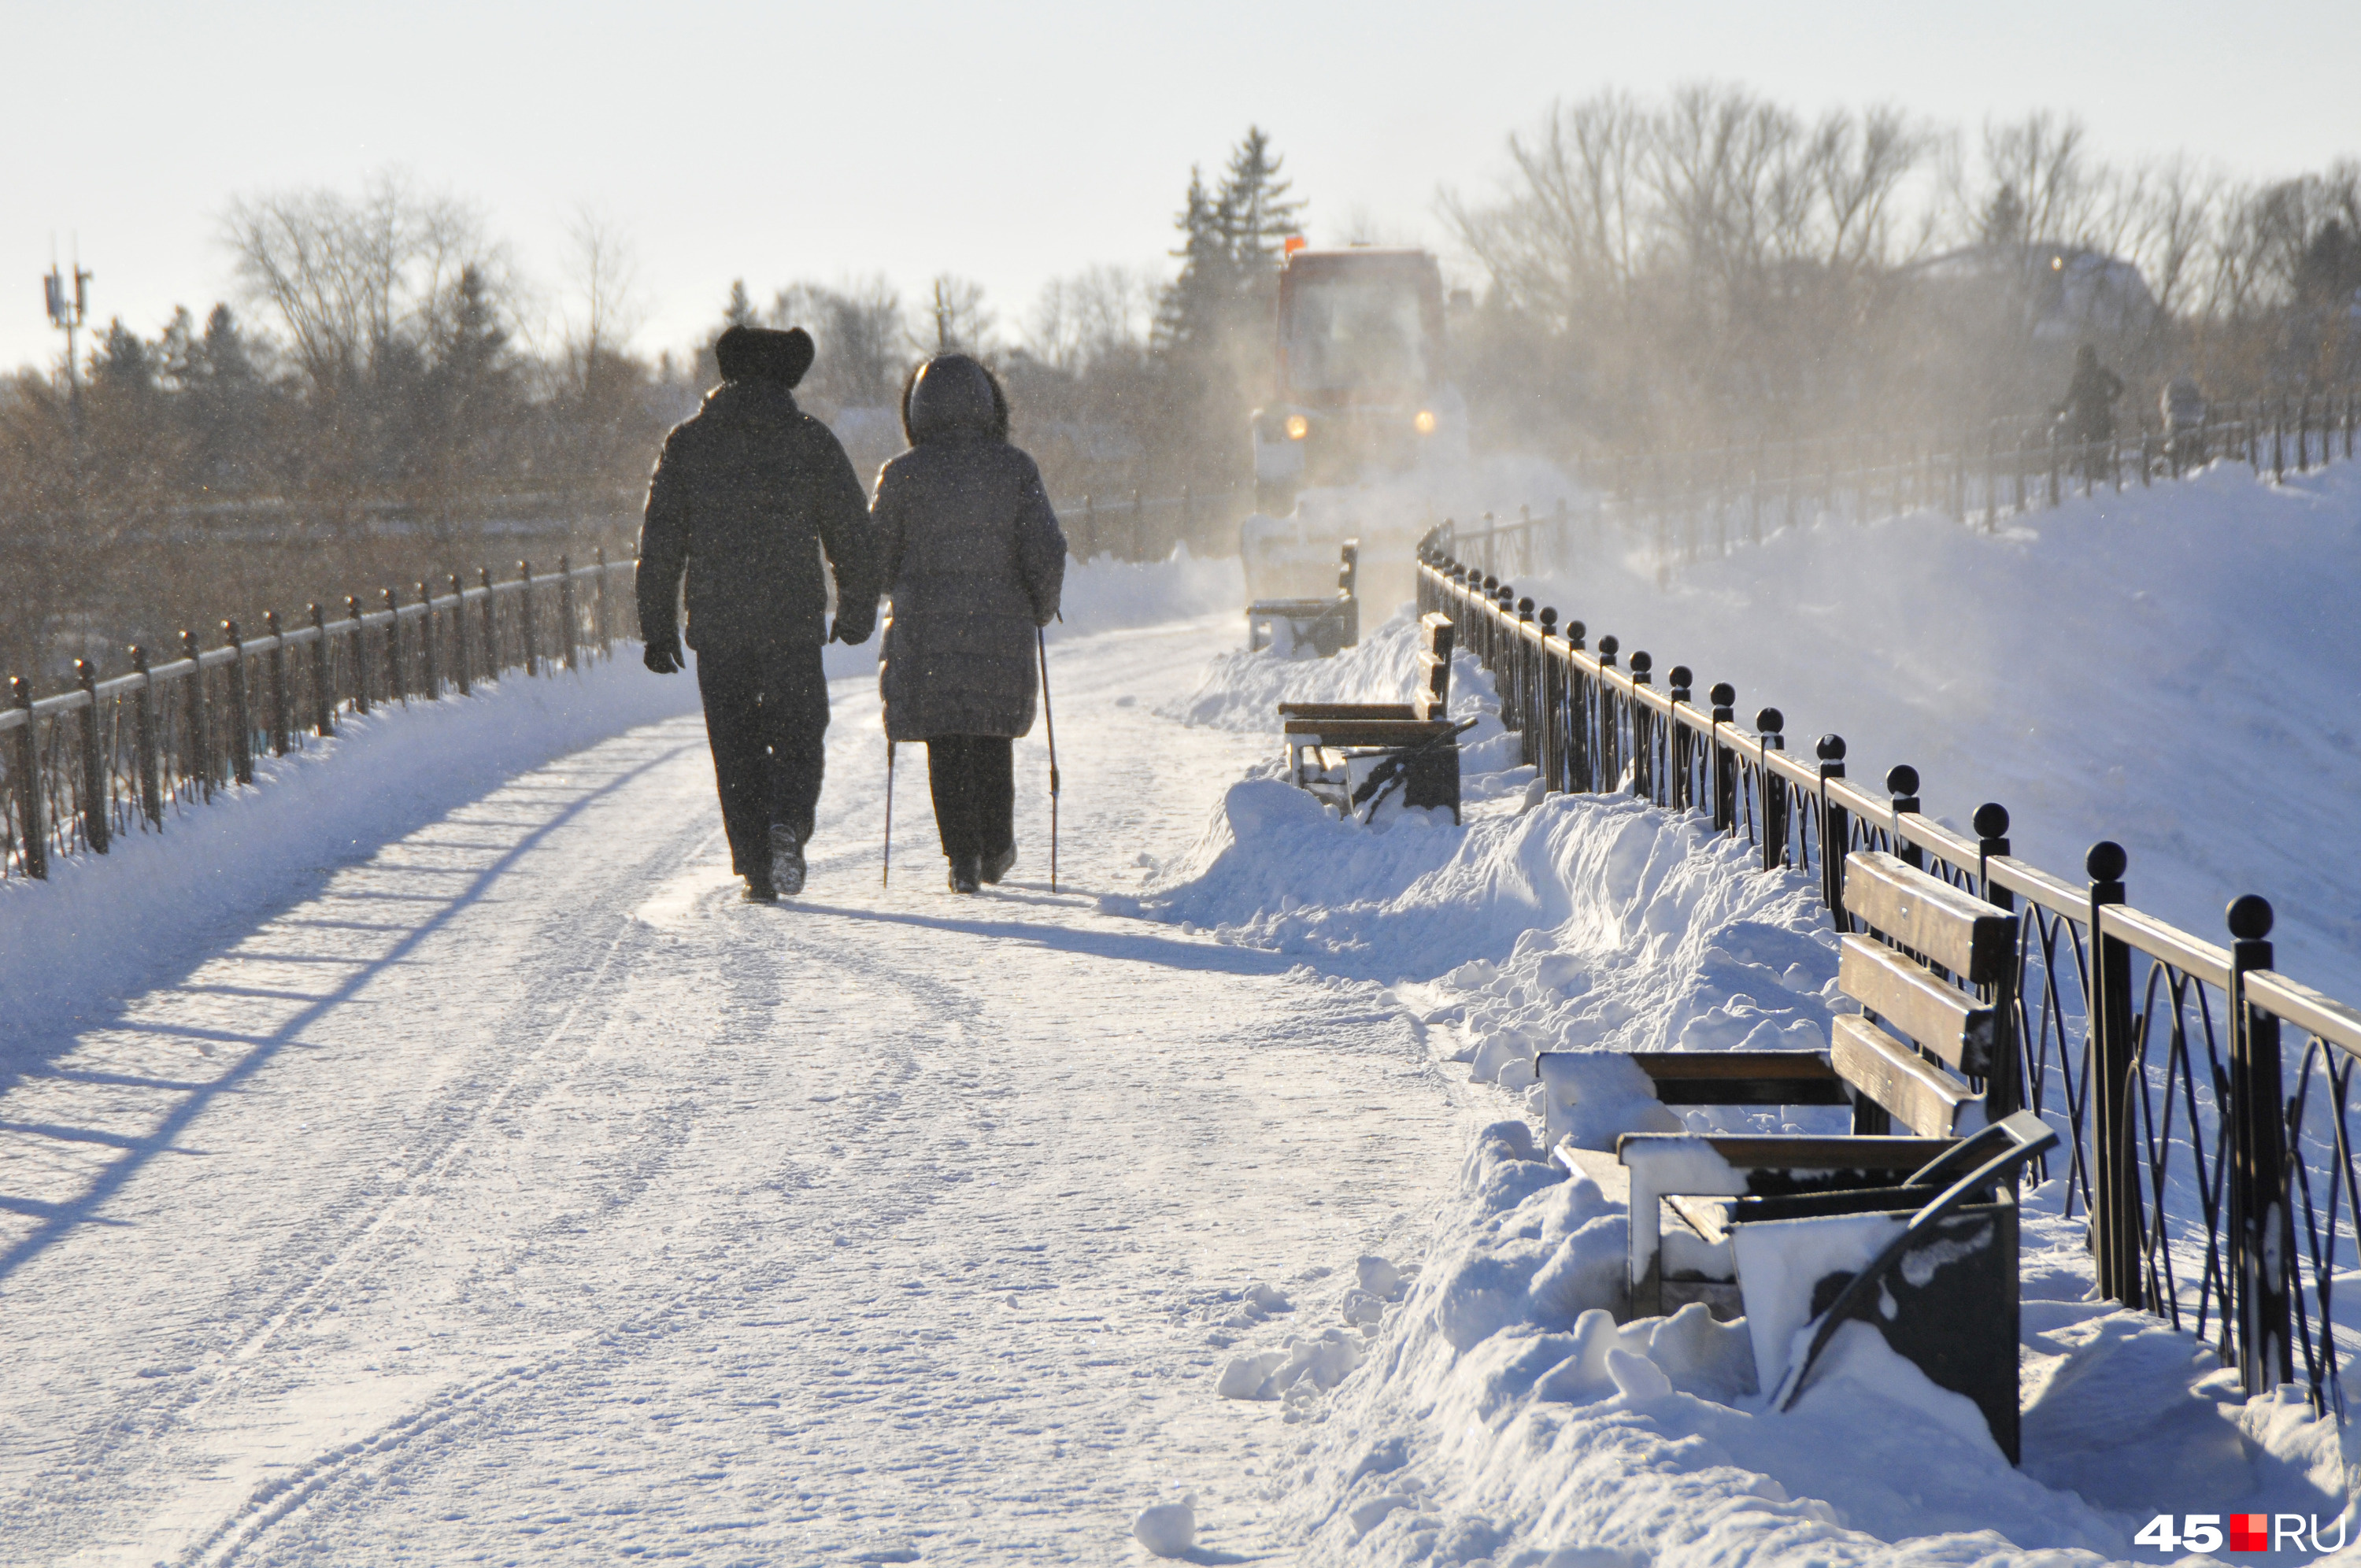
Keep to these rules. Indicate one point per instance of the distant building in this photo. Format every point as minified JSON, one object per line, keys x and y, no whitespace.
{"x":2064,"y":293}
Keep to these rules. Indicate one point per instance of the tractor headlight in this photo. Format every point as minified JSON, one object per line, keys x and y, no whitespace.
{"x":1425,"y":422}
{"x":1298,"y":427}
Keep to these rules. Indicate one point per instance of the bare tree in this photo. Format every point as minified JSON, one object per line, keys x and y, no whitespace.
{"x":1863,"y":166}
{"x":2033,"y":183}
{"x":348,"y":279}
{"x":1702,"y":255}
{"x":1100,"y":314}
{"x":606,"y":312}
{"x":857,"y":329}
{"x":1566,"y":237}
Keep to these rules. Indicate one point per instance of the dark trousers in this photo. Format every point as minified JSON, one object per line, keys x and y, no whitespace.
{"x":766,"y":716}
{"x":973,"y":780}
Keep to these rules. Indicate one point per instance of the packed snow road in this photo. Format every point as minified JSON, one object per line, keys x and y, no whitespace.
{"x":523,"y":1194}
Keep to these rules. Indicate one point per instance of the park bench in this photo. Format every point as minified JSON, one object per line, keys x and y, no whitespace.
{"x":1353,"y":755}
{"x":1930,"y":1055}
{"x":1325,"y":624}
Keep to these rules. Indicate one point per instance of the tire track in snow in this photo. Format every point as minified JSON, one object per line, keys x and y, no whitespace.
{"x":319,"y":1260}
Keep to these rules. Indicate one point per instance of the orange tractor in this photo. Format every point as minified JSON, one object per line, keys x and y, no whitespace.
{"x":1362,"y":415}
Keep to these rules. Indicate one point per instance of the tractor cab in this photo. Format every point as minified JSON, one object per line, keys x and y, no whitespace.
{"x":1362,"y":422}
{"x":1360,"y":386}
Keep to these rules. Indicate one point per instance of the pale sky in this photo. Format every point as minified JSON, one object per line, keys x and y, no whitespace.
{"x":1009,"y":144}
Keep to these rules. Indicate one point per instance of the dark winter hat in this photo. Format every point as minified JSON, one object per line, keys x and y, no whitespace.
{"x":953,"y":396}
{"x":764,"y":354}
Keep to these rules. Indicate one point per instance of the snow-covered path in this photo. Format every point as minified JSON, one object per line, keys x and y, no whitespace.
{"x":523,"y":1194}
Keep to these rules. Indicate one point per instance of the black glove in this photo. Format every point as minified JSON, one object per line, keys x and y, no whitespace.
{"x":663,"y":655}
{"x":851,"y":631}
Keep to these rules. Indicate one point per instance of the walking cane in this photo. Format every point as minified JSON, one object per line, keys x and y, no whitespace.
{"x":885,"y":877}
{"x":1049,"y":724}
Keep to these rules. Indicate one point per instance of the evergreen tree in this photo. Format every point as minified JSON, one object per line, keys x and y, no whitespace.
{"x":129,"y":451}
{"x":1195,"y":309}
{"x":122,"y":365}
{"x":740,"y":311}
{"x":1213,"y":333}
{"x":178,"y":353}
{"x":227,"y":358}
{"x":222,"y":395}
{"x":463,"y":398}
{"x":472,"y":345}
{"x":2329,"y":274}
{"x":2003,"y":218}
{"x":1256,"y":206}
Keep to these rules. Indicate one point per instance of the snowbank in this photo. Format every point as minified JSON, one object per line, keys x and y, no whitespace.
{"x":105,"y":927}
{"x":2177,"y":669}
{"x":1498,"y":1414}
{"x":1505,"y":1418}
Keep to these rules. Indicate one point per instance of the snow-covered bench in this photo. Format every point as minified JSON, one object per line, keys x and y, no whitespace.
{"x":1326,"y":625}
{"x":1351,"y":753}
{"x":1936,"y":964}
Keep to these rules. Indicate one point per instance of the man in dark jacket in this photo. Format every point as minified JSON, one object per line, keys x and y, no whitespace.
{"x":744,"y":497}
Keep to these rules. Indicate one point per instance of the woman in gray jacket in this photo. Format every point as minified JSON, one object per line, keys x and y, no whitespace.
{"x":973,"y":561}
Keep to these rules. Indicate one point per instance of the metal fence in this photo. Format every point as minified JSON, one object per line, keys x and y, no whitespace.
{"x":82,"y":768}
{"x":1137,"y":528}
{"x":1689,"y":506}
{"x":2221,"y":1188}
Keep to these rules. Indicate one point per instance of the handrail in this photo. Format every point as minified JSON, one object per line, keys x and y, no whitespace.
{"x":72,"y":700}
{"x":79,"y":768}
{"x":2327,"y":1018}
{"x":2190,"y":955}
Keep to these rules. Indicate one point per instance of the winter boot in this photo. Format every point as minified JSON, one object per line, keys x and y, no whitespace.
{"x":787,"y":859}
{"x":996,"y":864}
{"x":758,"y":888}
{"x":964,"y":874}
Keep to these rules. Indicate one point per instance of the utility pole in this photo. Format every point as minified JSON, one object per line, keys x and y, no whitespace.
{"x":67,"y":313}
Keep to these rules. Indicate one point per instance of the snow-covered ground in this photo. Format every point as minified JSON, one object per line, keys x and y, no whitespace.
{"x":2177,"y":669}
{"x":511,"y":1190}
{"x":468,"y":1175}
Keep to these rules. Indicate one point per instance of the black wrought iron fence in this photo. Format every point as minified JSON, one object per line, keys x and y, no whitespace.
{"x":1688,"y":506}
{"x":87,"y":767}
{"x":2221,"y":1190}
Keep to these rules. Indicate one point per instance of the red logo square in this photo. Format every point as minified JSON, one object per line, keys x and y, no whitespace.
{"x":2250,"y":1532}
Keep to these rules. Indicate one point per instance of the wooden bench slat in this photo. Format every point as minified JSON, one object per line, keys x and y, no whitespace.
{"x":1367,"y":731}
{"x":1955,"y":929}
{"x":1942,"y":1018}
{"x":1784,"y":1152}
{"x":1333,"y":711}
{"x":1921,"y":1096}
{"x":1742,"y":1077}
